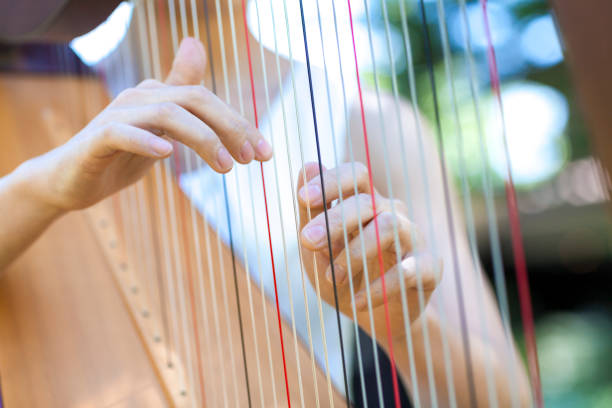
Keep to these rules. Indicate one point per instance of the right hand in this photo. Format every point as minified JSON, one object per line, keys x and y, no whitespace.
{"x":116,"y":148}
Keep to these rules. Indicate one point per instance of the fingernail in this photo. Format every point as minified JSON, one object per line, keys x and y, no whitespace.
{"x":310,"y":193}
{"x":263,"y":150}
{"x":161,"y":147}
{"x":314,"y":234}
{"x":246,"y":153}
{"x":224,"y":160}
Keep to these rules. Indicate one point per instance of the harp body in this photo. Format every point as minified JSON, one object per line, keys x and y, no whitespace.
{"x":204,"y":316}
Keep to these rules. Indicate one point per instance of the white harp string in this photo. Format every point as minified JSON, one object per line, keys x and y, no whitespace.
{"x":179,"y":263}
{"x":448,"y":69}
{"x":238,"y":195}
{"x":293,"y":196}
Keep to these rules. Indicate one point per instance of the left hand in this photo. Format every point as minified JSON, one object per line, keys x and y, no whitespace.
{"x":357,"y":210}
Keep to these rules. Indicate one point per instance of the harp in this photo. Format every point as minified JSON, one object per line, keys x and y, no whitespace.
{"x":230,"y":307}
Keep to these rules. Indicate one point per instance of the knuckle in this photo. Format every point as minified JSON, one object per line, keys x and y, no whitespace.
{"x":361,"y":172}
{"x":198,"y":93}
{"x":386,"y":219}
{"x":239,"y":127}
{"x":335,"y":219}
{"x":355,"y":251}
{"x":129,"y":94}
{"x":149,"y":83}
{"x":399,"y":206}
{"x":365,"y":202}
{"x":108,"y":133}
{"x":167,"y":110}
{"x":110,"y":129}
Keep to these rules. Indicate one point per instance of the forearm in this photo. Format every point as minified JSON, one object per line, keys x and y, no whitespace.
{"x":498,"y":369}
{"x":23,"y":214}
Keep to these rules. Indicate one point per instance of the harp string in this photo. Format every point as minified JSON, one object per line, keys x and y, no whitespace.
{"x":174,"y":271}
{"x":196,"y":228}
{"x":341,"y":198}
{"x":320,"y":164}
{"x":129,"y":202}
{"x":274,"y":161}
{"x":280,"y":328}
{"x":136,"y":196}
{"x":515,"y":225}
{"x":449,"y":215}
{"x":150,"y":253}
{"x":375,"y":219}
{"x":282,"y":227}
{"x":315,"y":266}
{"x":237,"y":178}
{"x":398,"y":251}
{"x":448,"y":68}
{"x":179,"y":261}
{"x":162,"y":206}
{"x":188,"y":164}
{"x":226,"y":199}
{"x":498,"y":269}
{"x":430,"y":222}
{"x":360,"y":228}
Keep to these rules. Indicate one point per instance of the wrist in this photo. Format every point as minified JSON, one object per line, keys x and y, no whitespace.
{"x":32,"y":187}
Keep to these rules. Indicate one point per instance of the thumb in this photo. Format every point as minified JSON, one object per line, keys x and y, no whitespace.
{"x":189,"y":63}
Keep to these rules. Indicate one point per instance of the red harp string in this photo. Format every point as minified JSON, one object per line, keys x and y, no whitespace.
{"x":520,"y":264}
{"x":263,"y":182}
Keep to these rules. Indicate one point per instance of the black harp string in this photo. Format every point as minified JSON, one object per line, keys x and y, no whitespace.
{"x":258,"y":363}
{"x":409,"y":205}
{"x":461,"y":303}
{"x":340,"y":203}
{"x":296,"y":204}
{"x":270,"y":243}
{"x":428,"y":198}
{"x":281,"y":94}
{"x":228,"y":217}
{"x":329,"y":244}
{"x":190,"y":154}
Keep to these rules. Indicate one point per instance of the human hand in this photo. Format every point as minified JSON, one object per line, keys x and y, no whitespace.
{"x":358,"y":210}
{"x":117,"y":147}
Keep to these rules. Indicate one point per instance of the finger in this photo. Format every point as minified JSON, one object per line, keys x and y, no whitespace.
{"x":241,"y":138}
{"x":308,"y":172}
{"x":181,"y":125}
{"x":347,"y":215}
{"x":189,"y":64}
{"x":412,"y":269}
{"x":386,"y":236}
{"x":116,"y":136}
{"x":340,"y":180}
